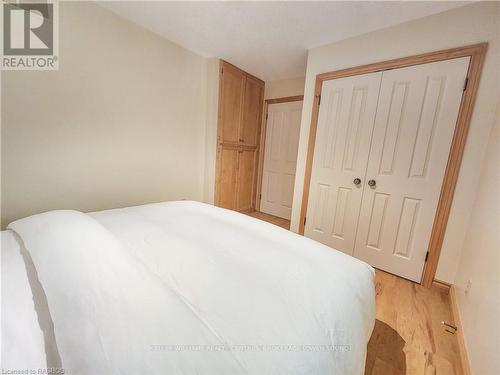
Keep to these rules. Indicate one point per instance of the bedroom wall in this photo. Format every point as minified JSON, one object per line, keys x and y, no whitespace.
{"x":284,"y":87}
{"x":212,"y":110}
{"x":122,"y":122}
{"x":478,"y":22}
{"x":480,"y":307}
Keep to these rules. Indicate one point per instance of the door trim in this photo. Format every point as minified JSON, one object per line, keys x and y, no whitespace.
{"x":477,"y":53}
{"x":286,"y":99}
{"x":262,"y":143}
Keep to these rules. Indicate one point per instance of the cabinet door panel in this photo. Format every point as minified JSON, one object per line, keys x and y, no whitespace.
{"x":226,"y":178}
{"x":246,"y":180}
{"x":232,"y":90}
{"x":252,"y":110}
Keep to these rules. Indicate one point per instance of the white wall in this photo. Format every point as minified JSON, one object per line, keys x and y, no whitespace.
{"x":470,"y":24}
{"x":480,"y":263}
{"x":122,"y":122}
{"x":284,"y":87}
{"x":212,"y":110}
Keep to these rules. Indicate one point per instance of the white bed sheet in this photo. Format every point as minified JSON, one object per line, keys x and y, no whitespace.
{"x":22,"y":338}
{"x":184,"y":287}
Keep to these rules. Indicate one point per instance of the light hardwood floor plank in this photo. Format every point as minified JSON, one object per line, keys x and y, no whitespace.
{"x":284,"y":223}
{"x":408,"y":337}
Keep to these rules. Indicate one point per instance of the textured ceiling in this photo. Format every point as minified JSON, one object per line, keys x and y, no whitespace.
{"x":268,"y":39}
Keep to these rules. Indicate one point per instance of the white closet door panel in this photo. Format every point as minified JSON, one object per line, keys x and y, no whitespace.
{"x":416,"y":116}
{"x":345,"y":124}
{"x":280,"y":158}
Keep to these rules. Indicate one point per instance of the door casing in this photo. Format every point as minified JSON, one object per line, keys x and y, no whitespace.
{"x":477,"y":53}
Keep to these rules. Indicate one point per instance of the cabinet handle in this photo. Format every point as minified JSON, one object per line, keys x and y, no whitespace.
{"x":357,"y":181}
{"x":372,"y":183}
{"x":242,"y":140}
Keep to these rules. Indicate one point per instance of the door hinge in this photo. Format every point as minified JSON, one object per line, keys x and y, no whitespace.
{"x":466,"y":83}
{"x":426,"y":256}
{"x":260,"y":196}
{"x":319,"y":99}
{"x":305,"y":219}
{"x":267,"y":115}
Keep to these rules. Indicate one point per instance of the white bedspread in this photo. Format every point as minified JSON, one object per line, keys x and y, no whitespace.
{"x":185,"y":288}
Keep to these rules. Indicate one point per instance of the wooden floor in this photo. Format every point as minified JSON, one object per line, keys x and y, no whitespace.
{"x":284,"y":223}
{"x":408,"y":337}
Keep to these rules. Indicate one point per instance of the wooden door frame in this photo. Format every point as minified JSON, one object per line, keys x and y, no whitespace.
{"x":477,"y":53}
{"x":262,"y":143}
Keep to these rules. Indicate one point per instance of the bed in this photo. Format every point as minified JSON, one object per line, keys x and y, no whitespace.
{"x":179,"y":288}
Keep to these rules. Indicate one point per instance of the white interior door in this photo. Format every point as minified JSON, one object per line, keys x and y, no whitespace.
{"x":345,"y":124}
{"x":416,"y":116}
{"x":280,"y":158}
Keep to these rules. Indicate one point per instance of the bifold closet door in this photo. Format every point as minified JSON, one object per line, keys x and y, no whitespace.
{"x":345,"y":124}
{"x":280,"y":158}
{"x":414,"y":126}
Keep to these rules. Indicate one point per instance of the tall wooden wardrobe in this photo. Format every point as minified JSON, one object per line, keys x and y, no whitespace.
{"x":241,"y":98}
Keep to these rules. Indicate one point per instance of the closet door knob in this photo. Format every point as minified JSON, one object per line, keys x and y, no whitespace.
{"x":372,"y":183}
{"x":357,"y":181}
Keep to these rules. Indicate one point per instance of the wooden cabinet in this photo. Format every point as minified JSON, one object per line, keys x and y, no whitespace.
{"x":232,"y":90}
{"x":227,"y":165}
{"x":246,"y":179}
{"x":252,"y":112}
{"x":241,"y":98}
